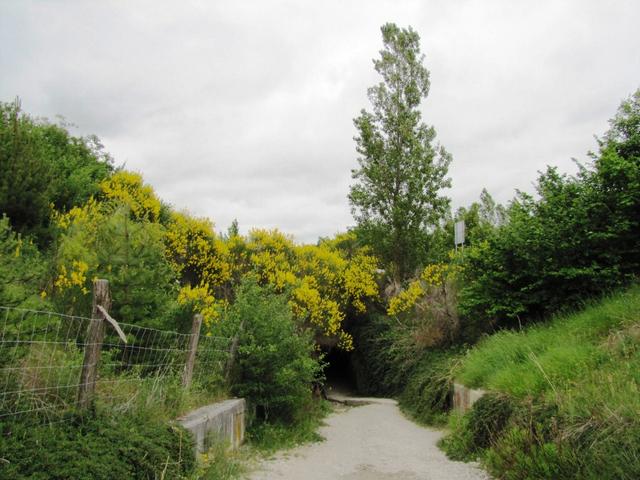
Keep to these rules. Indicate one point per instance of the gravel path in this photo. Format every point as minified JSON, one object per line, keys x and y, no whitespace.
{"x":370,"y":442}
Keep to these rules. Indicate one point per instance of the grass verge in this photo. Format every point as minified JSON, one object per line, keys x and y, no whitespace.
{"x":269,"y":437}
{"x":223,"y":464}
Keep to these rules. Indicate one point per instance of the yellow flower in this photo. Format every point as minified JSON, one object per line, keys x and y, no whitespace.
{"x":202,"y":302}
{"x":406,"y":299}
{"x":128,"y":188}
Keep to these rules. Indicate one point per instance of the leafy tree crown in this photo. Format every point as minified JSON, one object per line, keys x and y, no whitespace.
{"x":396,"y":195}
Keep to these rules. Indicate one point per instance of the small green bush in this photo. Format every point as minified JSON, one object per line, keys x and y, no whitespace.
{"x":22,"y":269}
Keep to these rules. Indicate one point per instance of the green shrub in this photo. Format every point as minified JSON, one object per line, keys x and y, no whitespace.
{"x":42,"y":164}
{"x":388,"y":362}
{"x":22,"y":270}
{"x":427,"y":394}
{"x":131,"y":255}
{"x":514,"y":441}
{"x":276,"y":362}
{"x":96,"y":447}
{"x":542,"y":442}
{"x":381,"y":361}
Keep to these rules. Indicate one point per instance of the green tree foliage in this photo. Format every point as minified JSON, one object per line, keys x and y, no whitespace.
{"x":25,"y":173}
{"x":132,"y":257}
{"x":42,"y":164}
{"x":234,"y":229}
{"x":624,"y":135}
{"x":481,"y":218}
{"x":104,"y":241}
{"x":578,"y":239}
{"x":276,"y":364}
{"x":22,"y":269}
{"x":396,"y":198}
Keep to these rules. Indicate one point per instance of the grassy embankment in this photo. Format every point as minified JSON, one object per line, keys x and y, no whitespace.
{"x":565,"y":399}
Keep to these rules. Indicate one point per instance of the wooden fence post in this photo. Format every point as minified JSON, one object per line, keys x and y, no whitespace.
{"x":93,"y":343}
{"x":187,"y":375}
{"x":233,"y":351}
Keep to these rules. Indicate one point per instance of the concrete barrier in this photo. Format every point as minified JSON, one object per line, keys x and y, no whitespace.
{"x":464,"y":397}
{"x":219,"y":422}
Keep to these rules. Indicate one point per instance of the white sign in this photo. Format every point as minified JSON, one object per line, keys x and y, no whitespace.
{"x":459,"y":233}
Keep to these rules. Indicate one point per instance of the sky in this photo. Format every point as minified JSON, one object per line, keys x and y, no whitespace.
{"x":244,"y":109}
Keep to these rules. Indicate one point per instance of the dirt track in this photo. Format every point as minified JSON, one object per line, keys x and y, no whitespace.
{"x":370,"y":442}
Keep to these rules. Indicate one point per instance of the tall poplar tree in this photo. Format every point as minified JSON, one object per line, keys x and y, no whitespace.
{"x":396,"y":196}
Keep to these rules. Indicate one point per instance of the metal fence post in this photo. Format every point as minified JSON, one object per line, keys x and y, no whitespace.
{"x":187,"y":375}
{"x":93,"y":343}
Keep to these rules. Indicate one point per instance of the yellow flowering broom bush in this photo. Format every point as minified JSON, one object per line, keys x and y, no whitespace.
{"x":428,"y":305}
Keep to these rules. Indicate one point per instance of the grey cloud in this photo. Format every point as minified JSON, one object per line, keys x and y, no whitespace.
{"x":244,"y":110}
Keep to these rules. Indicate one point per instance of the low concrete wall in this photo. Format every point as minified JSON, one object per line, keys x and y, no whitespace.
{"x":464,"y":397}
{"x":219,"y":422}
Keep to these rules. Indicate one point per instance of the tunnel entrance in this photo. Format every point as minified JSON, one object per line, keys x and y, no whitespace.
{"x":339,"y":373}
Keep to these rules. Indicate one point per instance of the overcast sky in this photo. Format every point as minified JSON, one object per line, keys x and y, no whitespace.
{"x":244,"y":109}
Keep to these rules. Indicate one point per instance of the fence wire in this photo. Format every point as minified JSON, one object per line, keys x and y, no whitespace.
{"x":42,"y":354}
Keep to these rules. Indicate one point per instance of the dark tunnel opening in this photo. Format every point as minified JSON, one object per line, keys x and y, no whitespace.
{"x":339,"y":373}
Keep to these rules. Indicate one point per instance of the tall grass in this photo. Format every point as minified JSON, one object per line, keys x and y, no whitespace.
{"x":552,"y":355}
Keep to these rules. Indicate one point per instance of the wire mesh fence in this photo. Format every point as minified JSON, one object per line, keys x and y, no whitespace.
{"x":42,"y":355}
